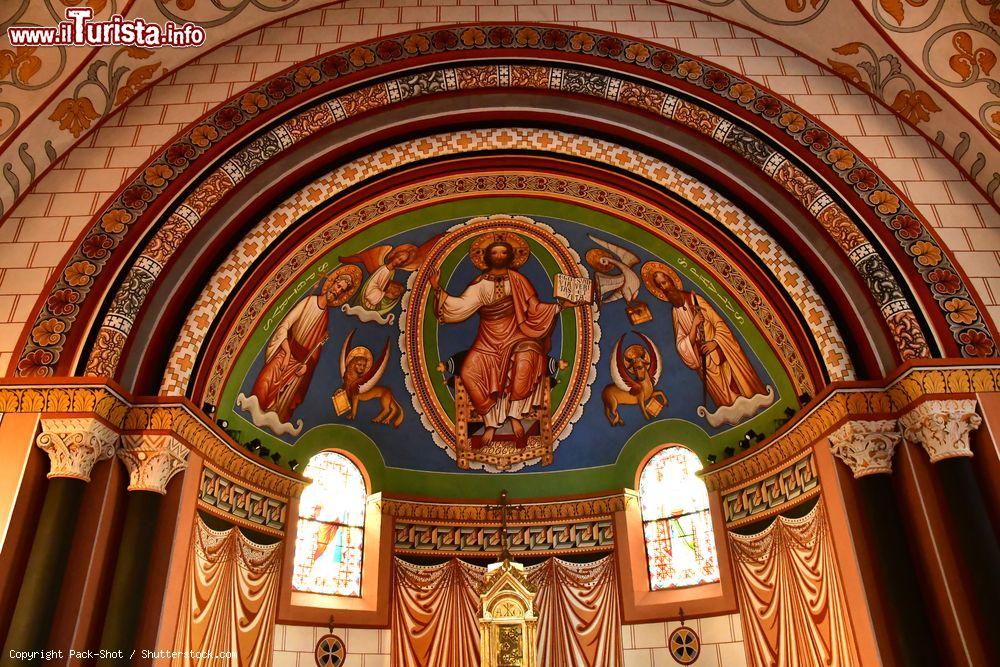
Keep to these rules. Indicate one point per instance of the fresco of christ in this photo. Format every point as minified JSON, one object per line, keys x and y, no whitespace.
{"x":505,"y":367}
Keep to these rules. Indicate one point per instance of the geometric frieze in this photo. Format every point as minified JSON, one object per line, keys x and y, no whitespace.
{"x":794,"y":483}
{"x":245,"y":506}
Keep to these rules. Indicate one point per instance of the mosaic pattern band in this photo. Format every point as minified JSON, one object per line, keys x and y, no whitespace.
{"x":969,"y":330}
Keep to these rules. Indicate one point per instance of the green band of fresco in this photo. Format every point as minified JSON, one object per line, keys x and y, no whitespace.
{"x":540,"y":484}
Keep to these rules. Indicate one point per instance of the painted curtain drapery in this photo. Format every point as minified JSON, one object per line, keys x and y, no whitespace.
{"x":435,"y":614}
{"x":579,"y":619}
{"x":791,"y":594}
{"x":436,"y":610}
{"x":230,"y":600}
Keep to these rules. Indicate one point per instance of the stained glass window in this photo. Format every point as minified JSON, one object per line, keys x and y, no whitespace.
{"x":331,"y":527}
{"x":680,"y":544}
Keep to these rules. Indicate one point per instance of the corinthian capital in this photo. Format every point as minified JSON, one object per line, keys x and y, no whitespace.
{"x":942,"y":427}
{"x":152,"y":459}
{"x":866,"y":446}
{"x":75,"y":445}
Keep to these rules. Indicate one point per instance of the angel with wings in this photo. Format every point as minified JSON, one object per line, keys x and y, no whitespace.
{"x":615,"y":278}
{"x":634,"y":376}
{"x":381,"y":292}
{"x":360,"y":375}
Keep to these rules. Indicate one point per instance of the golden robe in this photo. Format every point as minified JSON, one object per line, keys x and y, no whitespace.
{"x":728,"y":373}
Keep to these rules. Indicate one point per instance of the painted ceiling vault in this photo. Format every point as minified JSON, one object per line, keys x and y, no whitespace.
{"x":461,"y":329}
{"x":933,"y":62}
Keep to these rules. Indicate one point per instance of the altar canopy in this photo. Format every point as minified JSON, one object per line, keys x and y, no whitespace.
{"x":436,"y":609}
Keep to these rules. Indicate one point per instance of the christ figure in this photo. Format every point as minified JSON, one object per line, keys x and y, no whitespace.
{"x":504,"y":369}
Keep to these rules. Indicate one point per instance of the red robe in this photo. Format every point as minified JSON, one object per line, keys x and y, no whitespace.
{"x":506,"y":363}
{"x":278,"y":387}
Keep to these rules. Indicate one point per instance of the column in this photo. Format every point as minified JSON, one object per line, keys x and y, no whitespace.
{"x":867,"y":448}
{"x":74,"y":446}
{"x":943,"y":429}
{"x":152,"y":460}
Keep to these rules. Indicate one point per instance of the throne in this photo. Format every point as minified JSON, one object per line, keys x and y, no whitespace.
{"x":508,"y":623}
{"x":504,"y":452}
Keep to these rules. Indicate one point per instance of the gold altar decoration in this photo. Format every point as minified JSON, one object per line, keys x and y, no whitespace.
{"x":508,"y":623}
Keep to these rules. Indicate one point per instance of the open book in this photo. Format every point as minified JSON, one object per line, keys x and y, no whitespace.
{"x":573,"y":289}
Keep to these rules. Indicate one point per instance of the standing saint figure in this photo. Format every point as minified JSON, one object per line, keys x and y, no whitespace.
{"x":293,"y":352}
{"x":707,"y":346}
{"x":504,"y":371}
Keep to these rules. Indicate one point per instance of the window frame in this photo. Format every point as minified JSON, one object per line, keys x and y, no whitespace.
{"x":706,"y":509}
{"x":366,"y":483}
{"x":640,"y":604}
{"x":371,"y":608}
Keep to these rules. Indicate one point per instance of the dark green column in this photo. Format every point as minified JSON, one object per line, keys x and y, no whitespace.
{"x":976,"y":541}
{"x":36,"y":602}
{"x":129,"y":584}
{"x":907,"y":610}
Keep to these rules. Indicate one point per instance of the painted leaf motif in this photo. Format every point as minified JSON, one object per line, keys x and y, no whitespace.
{"x":21,"y":64}
{"x":74,"y":114}
{"x":963,"y":42}
{"x":960,"y":63}
{"x":29,"y":67}
{"x":134,"y":81}
{"x":916,"y":105}
{"x":96,"y":5}
{"x":849,"y":72}
{"x":994,"y":10}
{"x":138,"y":53}
{"x":986,"y":59}
{"x":848,"y":49}
{"x":894,"y":8}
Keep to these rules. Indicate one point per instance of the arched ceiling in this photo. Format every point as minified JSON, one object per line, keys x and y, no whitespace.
{"x":815,"y":267}
{"x":930,"y":61}
{"x":811,"y":167}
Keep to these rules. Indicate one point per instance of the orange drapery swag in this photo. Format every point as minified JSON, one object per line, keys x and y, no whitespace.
{"x":791,"y":596}
{"x":435,"y":616}
{"x":230,"y":600}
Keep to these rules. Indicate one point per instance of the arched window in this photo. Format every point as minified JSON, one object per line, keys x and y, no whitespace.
{"x":680,"y":544}
{"x":331,"y":527}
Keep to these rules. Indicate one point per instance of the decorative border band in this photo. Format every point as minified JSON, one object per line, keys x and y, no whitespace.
{"x":554,"y":539}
